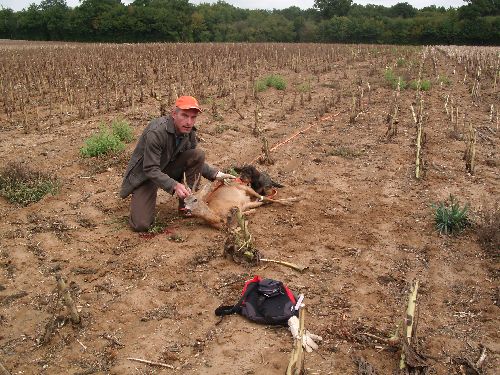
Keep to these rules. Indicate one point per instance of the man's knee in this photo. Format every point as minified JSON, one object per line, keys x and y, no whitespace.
{"x":140,"y":225}
{"x":196,"y":156}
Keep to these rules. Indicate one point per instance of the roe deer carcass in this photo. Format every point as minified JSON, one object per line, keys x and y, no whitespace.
{"x":214,"y":204}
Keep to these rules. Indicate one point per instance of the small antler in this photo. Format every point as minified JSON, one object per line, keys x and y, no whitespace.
{"x":195,"y":185}
{"x":196,"y":182}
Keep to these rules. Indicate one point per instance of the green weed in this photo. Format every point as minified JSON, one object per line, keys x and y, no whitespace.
{"x":157,"y":227}
{"x":273,"y":80}
{"x":232,"y":171}
{"x":393,"y":80}
{"x":444,"y":80}
{"x":425,"y":85}
{"x":400,"y":62}
{"x":108,"y":141}
{"x":21,"y":185}
{"x":304,"y":87}
{"x":102,"y":143}
{"x":260,"y":85}
{"x":449,"y":217}
{"x":176,"y":238}
{"x":122,"y":130}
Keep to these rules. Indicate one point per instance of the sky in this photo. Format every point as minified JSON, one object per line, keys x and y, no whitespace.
{"x":263,"y":4}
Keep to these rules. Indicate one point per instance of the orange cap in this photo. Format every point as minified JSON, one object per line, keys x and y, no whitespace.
{"x":187,"y":102}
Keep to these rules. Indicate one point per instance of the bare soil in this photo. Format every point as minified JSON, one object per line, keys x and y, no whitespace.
{"x":363,"y":225}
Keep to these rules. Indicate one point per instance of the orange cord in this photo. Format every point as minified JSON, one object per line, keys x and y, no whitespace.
{"x":296,"y":134}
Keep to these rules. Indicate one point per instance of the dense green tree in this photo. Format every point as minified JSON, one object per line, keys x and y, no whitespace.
{"x":8,"y":20}
{"x":88,"y":18}
{"x":369,"y":10}
{"x":219,"y":17}
{"x":330,"y":8}
{"x":55,"y":14}
{"x":30,"y":24}
{"x":199,"y":28}
{"x":480,"y":8}
{"x":404,"y":10}
{"x":297,"y":17}
{"x":477,"y":22}
{"x":336,"y":29}
{"x":366,"y":30}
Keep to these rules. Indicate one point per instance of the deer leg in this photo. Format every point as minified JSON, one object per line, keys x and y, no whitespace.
{"x":250,"y":206}
{"x":262,"y":198}
{"x":251,"y":211}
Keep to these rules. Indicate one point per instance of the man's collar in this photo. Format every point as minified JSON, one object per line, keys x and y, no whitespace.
{"x":170,"y":125}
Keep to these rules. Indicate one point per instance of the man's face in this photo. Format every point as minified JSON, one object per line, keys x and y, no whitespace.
{"x":184,"y":119}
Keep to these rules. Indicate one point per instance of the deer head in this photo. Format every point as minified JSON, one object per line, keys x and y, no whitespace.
{"x":196,"y":204}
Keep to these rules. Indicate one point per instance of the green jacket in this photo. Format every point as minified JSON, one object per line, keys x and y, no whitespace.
{"x":155,"y":149}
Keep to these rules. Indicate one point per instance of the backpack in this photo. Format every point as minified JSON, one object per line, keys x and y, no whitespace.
{"x":265,"y":301}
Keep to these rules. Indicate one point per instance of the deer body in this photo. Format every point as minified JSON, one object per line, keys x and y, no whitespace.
{"x":214,"y":206}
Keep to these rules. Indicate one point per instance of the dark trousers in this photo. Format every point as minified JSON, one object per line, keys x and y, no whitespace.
{"x":143,"y":204}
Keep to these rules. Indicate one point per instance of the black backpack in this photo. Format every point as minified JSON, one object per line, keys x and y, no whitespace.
{"x":264,"y":301}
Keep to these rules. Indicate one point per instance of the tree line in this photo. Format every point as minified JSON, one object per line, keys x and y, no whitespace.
{"x":476,"y":22}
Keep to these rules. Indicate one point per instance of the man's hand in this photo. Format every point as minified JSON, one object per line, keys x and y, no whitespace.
{"x":181,"y":191}
{"x":222,"y":176}
{"x":308,"y":339}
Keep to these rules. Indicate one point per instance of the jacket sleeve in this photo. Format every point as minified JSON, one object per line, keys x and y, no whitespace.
{"x":153,"y":149}
{"x":209,"y":172}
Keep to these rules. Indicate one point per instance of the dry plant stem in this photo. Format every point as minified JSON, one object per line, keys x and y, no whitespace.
{"x":413,"y":113}
{"x":482,"y":358}
{"x":287,"y":264}
{"x":410,"y":320}
{"x":243,"y":224}
{"x":419,"y":146}
{"x":391,"y":341}
{"x":470,"y":150}
{"x":3,"y":370}
{"x":239,"y":113}
{"x":420,"y":119}
{"x":296,"y":364}
{"x":68,"y":301}
{"x":266,"y":159}
{"x":151,"y":362}
{"x":392,"y":123}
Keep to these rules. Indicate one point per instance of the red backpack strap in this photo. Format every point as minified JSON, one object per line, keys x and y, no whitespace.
{"x":233,"y":309}
{"x":290,"y":294}
{"x":256,"y":279}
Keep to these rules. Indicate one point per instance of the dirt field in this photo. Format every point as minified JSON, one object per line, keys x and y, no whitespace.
{"x":363,"y":225}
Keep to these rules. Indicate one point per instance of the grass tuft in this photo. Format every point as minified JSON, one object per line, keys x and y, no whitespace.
{"x":273,"y":80}
{"x":444,"y":80}
{"x":425,"y":85}
{"x":21,"y":185}
{"x":122,"y":130}
{"x":108,"y":141}
{"x":449,"y":217}
{"x":393,"y":80}
{"x":157,"y":227}
{"x":304,"y":87}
